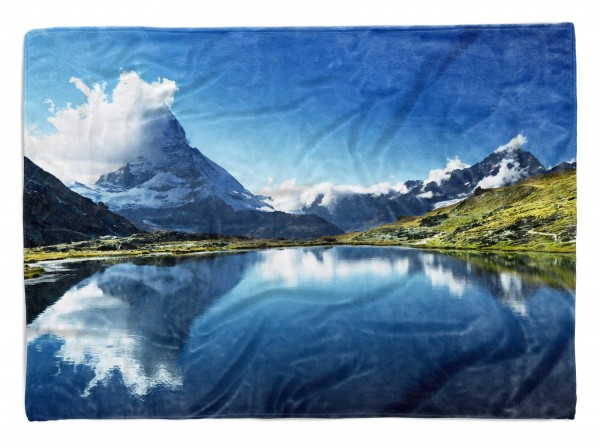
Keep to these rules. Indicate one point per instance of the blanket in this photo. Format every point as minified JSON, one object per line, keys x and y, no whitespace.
{"x":300,"y":222}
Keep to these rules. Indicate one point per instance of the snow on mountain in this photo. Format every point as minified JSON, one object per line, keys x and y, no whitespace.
{"x":359,"y":209}
{"x":177,"y":175}
{"x":176,"y":187}
{"x":509,"y":172}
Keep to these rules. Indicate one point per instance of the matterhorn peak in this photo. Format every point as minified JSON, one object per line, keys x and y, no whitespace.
{"x":516,"y":144}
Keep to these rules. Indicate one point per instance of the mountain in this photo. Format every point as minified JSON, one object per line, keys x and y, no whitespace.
{"x":537,"y":214}
{"x":564,"y":166}
{"x":358,"y":212}
{"x":54,"y":214}
{"x":501,"y":168}
{"x":176,"y":187}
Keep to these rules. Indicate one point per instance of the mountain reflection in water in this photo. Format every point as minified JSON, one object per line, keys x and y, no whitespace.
{"x":342,"y":331}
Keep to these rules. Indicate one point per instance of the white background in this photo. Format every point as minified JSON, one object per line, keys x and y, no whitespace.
{"x":17,"y":17}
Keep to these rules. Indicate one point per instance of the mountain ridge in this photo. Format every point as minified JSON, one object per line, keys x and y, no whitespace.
{"x":53,"y":214}
{"x":176,"y":187}
{"x":538,"y":214}
{"x":500,"y":168}
{"x":179,"y":188}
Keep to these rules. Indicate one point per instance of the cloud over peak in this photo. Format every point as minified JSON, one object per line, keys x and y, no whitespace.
{"x":290,"y":197}
{"x":509,"y":169}
{"x":516,"y":143}
{"x":104,"y":132}
{"x":439,"y":175}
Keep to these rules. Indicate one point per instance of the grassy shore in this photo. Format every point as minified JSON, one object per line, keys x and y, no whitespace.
{"x":156,"y":244}
{"x":152,"y":244}
{"x":538,"y":214}
{"x":535,"y":215}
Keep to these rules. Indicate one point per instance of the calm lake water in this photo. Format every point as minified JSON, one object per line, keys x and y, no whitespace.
{"x":299,"y":332}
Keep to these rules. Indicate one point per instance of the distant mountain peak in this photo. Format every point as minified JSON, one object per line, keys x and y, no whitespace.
{"x":517,"y":143}
{"x":564,"y":166}
{"x":173,"y":174}
{"x":176,"y":187}
{"x":505,"y":166}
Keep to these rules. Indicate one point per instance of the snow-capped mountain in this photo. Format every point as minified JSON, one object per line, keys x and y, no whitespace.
{"x":177,"y":175}
{"x":176,"y":187}
{"x":505,"y":166}
{"x":359,"y":211}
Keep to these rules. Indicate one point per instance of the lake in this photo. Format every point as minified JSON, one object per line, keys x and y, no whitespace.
{"x":303,"y":332}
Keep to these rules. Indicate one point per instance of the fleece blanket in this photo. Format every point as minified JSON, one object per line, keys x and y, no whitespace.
{"x":300,"y":222}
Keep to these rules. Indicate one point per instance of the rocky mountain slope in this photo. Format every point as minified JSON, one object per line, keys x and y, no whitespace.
{"x":54,"y":214}
{"x":358,"y":212}
{"x":178,"y":188}
{"x":538,"y":213}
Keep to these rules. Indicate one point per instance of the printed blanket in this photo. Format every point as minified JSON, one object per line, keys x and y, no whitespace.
{"x":300,"y":222}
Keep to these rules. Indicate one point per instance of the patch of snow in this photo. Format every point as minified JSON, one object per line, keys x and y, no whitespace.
{"x":162,"y":179}
{"x":426,"y":195}
{"x":165,"y":190}
{"x":445,"y":203}
{"x":148,"y":222}
{"x":267,"y":209}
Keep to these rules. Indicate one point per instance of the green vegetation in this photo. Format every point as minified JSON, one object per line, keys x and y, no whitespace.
{"x":153,"y":244}
{"x":32,"y":272}
{"x":554,"y":269}
{"x":537,"y":214}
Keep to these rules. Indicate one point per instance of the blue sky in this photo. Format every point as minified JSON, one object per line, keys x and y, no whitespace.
{"x":346,"y":106}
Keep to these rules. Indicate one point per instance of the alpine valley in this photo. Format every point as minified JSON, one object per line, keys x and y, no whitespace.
{"x":358,"y":212}
{"x":183,"y":190}
{"x":177,"y":188}
{"x":180,"y":189}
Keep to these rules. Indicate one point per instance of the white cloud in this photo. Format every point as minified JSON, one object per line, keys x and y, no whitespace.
{"x":509,"y":172}
{"x":95,"y":330}
{"x":51,"y":106}
{"x":103,"y":133}
{"x":292,"y":266}
{"x":512,"y":292}
{"x":443,"y":277}
{"x":439,"y":175}
{"x":516,"y":143}
{"x":290,"y":197}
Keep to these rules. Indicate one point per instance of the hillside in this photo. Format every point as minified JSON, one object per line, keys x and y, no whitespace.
{"x":54,"y":214}
{"x":538,"y":214}
{"x":175,"y":187}
{"x":362,"y":211}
